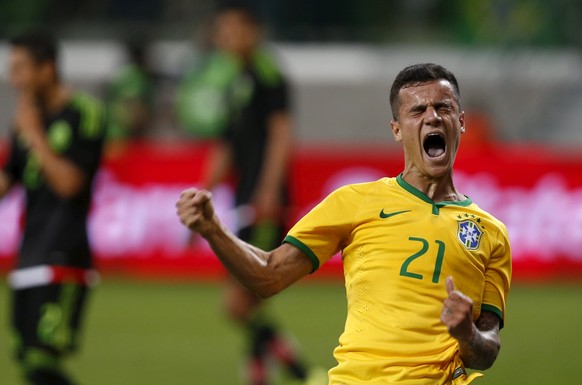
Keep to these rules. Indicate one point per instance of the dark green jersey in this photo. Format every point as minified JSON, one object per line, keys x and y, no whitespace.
{"x":133,"y":86}
{"x":231,"y":99}
{"x":258,"y":91}
{"x":55,"y":228}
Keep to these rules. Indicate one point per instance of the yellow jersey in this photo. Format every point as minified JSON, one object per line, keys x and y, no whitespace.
{"x":398,"y":246}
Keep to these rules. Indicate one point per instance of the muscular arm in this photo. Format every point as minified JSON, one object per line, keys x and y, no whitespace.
{"x":265,"y":273}
{"x":479,"y":342}
{"x":481,"y":350}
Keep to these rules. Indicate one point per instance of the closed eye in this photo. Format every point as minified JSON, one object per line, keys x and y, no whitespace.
{"x":418,"y":110}
{"x":443,"y":107}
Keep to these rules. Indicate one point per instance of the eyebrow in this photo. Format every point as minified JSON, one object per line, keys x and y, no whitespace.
{"x":440,"y":104}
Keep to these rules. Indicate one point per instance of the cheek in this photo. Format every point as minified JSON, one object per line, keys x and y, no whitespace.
{"x":409,"y":136}
{"x":23,"y":77}
{"x":17,"y":77}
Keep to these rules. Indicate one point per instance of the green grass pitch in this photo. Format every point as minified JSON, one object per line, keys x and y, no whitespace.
{"x":140,"y":333}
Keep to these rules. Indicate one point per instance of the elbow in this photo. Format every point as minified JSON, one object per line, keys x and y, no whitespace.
{"x":268,"y":290}
{"x":69,"y":188}
{"x":270,"y":285}
{"x":264,"y":294}
{"x":485,"y":361}
{"x":481,"y":365}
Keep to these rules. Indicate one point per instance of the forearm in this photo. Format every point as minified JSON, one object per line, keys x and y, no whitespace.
{"x":478,"y":342}
{"x":253,"y":267}
{"x":481,"y":350}
{"x":64,"y":177}
{"x":277,"y":153}
{"x":264,"y":273}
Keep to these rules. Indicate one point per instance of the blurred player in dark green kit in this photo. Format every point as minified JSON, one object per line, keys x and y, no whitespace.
{"x":55,"y":151}
{"x":130,"y":96}
{"x":240,"y":95}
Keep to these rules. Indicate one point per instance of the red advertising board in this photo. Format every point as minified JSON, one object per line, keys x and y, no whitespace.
{"x":133,"y":227}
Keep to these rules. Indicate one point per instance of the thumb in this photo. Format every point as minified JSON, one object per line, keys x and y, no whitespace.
{"x":450,"y":285}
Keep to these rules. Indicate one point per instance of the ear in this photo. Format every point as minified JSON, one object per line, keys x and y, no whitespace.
{"x":462,"y":121}
{"x":395,"y":126}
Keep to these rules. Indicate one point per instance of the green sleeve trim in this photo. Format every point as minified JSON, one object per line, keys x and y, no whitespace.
{"x":494,"y":310}
{"x":303,"y":247}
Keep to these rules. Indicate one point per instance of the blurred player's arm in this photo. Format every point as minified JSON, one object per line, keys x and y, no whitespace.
{"x":218,"y":165}
{"x":479,"y":342}
{"x":268,"y":190}
{"x":5,"y":183}
{"x":62,"y":175}
{"x":265,"y":273}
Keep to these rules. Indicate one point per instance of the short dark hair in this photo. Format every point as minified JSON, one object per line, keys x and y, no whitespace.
{"x":41,"y":45}
{"x":244,"y":8}
{"x":418,"y":74}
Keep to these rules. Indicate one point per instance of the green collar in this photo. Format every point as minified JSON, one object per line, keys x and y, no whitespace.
{"x":435,"y":205}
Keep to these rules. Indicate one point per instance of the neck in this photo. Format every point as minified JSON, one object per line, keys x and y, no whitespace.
{"x":438,"y":189}
{"x":54,"y":98}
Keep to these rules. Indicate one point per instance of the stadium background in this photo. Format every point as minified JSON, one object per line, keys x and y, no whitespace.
{"x":156,"y":316}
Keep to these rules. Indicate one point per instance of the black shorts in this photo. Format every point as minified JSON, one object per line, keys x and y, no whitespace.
{"x":48,"y":317}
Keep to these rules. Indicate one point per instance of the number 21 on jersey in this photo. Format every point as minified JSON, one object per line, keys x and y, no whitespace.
{"x":423,"y":252}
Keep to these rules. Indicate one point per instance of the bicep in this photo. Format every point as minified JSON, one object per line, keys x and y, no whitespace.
{"x":290,"y":263}
{"x":489,"y":323}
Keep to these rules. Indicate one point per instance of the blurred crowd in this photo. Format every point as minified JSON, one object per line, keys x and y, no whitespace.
{"x":146,"y":100}
{"x":509,"y":22}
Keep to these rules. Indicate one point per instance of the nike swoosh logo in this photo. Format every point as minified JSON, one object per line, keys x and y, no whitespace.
{"x":384,"y":215}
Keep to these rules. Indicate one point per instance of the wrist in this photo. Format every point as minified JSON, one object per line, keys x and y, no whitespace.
{"x":211,"y":228}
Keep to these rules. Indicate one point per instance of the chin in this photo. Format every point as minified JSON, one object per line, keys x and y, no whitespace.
{"x":438,"y":171}
{"x":437,"y":168}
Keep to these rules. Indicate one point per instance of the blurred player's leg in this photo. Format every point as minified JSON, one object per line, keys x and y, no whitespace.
{"x":46,"y":321}
{"x":264,"y":338}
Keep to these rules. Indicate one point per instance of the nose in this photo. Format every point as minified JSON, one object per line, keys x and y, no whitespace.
{"x":432,"y":117}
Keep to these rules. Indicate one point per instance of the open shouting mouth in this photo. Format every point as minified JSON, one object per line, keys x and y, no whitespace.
{"x":434,"y":145}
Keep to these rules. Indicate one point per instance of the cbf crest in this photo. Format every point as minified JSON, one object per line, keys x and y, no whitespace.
{"x":469,"y":233}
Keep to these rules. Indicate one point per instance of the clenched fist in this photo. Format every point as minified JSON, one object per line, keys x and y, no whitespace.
{"x":457,"y":313}
{"x":196,"y":210}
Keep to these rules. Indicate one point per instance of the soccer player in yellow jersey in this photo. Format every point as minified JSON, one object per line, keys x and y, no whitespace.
{"x":427,"y":271}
